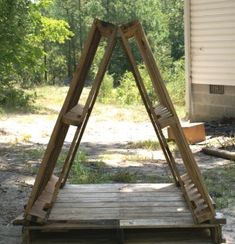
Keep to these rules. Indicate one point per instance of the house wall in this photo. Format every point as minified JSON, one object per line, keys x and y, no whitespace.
{"x":207,"y":107}
{"x":210,"y":58}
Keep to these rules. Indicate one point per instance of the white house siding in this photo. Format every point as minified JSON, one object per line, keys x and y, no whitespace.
{"x":210,"y":52}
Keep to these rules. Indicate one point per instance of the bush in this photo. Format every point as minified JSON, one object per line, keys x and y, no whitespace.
{"x":15,"y":97}
{"x":176,"y":84}
{"x":106,"y":93}
{"x":127,"y":93}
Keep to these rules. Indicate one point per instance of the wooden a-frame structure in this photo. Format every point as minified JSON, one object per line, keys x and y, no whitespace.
{"x":47,"y":185}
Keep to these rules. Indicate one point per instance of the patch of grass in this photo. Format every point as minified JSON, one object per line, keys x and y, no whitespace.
{"x":84,"y":172}
{"x":34,"y":153}
{"x":150,"y":145}
{"x":157,"y":179}
{"x":147,"y":144}
{"x":123,"y":176}
{"x":136,"y":158}
{"x":221,"y":184}
{"x":49,"y":98}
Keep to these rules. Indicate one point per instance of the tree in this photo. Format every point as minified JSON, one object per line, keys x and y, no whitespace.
{"x":42,"y":40}
{"x":26,"y":33}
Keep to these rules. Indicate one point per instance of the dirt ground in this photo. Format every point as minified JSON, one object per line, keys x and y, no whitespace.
{"x":23,"y":139}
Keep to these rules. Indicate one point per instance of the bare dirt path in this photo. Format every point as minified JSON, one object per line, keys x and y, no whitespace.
{"x":23,"y":139}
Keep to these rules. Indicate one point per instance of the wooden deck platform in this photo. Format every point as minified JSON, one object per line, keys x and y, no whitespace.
{"x":123,"y":205}
{"x":116,"y":211}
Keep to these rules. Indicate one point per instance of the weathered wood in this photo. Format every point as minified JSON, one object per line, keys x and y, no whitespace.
{"x":74,"y":116}
{"x":120,"y":205}
{"x":60,"y":130}
{"x":129,"y":29}
{"x":219,"y":153}
{"x":91,"y":101}
{"x":120,"y":187}
{"x":147,"y":236}
{"x":165,"y":117}
{"x":106,"y":29}
{"x":121,"y":201}
{"x":165,"y":101}
{"x":115,"y":204}
{"x":38,"y":212}
{"x":148,"y":105}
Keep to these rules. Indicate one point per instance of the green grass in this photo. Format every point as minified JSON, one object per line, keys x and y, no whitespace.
{"x":123,"y":176}
{"x":221,"y":184}
{"x":147,"y":144}
{"x":85,"y":171}
{"x":49,"y":100}
{"x":150,"y":145}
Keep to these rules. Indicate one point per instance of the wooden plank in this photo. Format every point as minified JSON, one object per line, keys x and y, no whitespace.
{"x":167,"y":236}
{"x":91,"y":99}
{"x":147,"y":103}
{"x":111,"y":204}
{"x":106,"y":29}
{"x":74,"y":116}
{"x":130,"y":236}
{"x":60,"y":129}
{"x":129,"y":29}
{"x":94,"y":215}
{"x":160,"y":89}
{"x":40,"y":206}
{"x":82,"y":237}
{"x":76,"y":225}
{"x":119,"y":194}
{"x":137,"y":187}
{"x":116,"y":204}
{"x":131,"y":199}
{"x":117,"y":189}
{"x":168,"y":222}
{"x":122,"y":209}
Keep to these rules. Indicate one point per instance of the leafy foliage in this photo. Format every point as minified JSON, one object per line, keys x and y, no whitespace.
{"x":42,"y":41}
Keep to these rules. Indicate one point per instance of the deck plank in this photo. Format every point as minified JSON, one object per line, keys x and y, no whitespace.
{"x":147,"y":213}
{"x":159,"y":204}
{"x":119,"y":187}
{"x":130,"y":237}
{"x":115,"y":204}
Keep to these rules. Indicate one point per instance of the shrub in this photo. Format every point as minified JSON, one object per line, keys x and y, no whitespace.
{"x":176,"y":84}
{"x":106,"y":93}
{"x":15,"y":97}
{"x":127,"y":93}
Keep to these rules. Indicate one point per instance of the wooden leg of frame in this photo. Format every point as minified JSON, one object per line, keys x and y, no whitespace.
{"x":216,"y":234}
{"x":26,"y":238}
